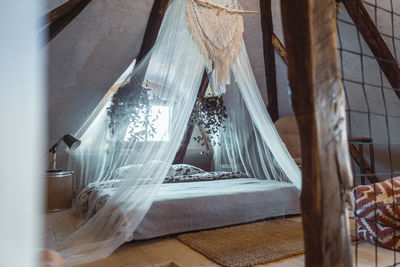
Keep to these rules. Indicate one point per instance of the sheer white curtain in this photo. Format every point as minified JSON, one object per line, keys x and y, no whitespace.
{"x":173,"y":71}
{"x":244,"y":77}
{"x":241,"y":147}
{"x":176,"y":64}
{"x":250,"y":142}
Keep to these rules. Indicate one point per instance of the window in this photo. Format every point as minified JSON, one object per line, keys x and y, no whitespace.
{"x":159,"y":118}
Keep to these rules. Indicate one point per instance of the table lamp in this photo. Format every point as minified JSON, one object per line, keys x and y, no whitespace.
{"x":70,"y":141}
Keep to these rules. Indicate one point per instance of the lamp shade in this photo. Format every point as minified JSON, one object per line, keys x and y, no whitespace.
{"x":71,"y":141}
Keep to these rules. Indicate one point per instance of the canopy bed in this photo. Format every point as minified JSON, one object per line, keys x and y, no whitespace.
{"x":130,"y":140}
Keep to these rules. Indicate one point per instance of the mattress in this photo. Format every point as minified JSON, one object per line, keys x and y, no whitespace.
{"x":186,"y":207}
{"x":192,"y":206}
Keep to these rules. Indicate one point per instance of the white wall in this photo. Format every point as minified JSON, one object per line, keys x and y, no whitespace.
{"x":22,"y":134}
{"x":88,"y":56}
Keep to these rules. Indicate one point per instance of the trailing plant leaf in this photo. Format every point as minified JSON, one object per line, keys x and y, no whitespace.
{"x":130,"y":105}
{"x":209,"y":113}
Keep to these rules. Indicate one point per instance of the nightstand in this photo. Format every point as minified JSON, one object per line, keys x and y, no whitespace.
{"x":59,"y":189}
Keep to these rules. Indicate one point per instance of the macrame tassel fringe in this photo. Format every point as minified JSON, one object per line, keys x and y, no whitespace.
{"x":218,"y":33}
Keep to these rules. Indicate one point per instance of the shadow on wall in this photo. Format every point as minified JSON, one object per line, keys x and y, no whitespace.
{"x":87,"y":57}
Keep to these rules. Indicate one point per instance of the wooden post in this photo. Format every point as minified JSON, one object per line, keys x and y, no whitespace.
{"x":60,"y":17}
{"x":153,"y":27}
{"x":375,"y":42}
{"x":269,"y":58}
{"x":180,"y":154}
{"x":318,"y":102}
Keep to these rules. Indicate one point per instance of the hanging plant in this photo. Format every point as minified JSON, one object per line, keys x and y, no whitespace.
{"x":130,"y":110}
{"x":209,"y":113}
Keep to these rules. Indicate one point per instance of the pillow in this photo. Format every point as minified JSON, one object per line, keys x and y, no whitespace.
{"x":183,"y":169}
{"x":124,"y":171}
{"x":204,"y":176}
{"x":364,"y":197}
{"x":130,"y":170}
{"x":383,"y":236}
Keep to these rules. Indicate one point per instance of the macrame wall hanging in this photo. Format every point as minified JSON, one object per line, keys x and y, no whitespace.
{"x":218,"y":32}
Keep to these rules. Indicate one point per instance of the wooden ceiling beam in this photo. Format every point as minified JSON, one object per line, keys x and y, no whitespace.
{"x":62,"y":10}
{"x":375,"y":42}
{"x":153,"y":27}
{"x":279,"y":47}
{"x":319,"y":105}
{"x":269,"y":58}
{"x":60,"y":17}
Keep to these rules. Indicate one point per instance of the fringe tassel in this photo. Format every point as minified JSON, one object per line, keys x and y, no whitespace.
{"x":219,"y":35}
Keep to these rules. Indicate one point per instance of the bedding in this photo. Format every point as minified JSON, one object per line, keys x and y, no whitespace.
{"x":85,"y":200}
{"x":183,"y":169}
{"x":206,"y":176}
{"x":174,"y":171}
{"x":190,"y":206}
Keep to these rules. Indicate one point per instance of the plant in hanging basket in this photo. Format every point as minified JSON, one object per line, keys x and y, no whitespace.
{"x":209,"y":113}
{"x":130,"y":110}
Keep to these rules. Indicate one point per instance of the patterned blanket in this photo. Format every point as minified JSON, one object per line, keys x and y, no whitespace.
{"x":377,"y":212}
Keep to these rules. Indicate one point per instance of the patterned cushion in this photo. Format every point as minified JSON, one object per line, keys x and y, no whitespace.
{"x":374,"y":213}
{"x":183,"y":169}
{"x":385,"y":237}
{"x":367,"y":202}
{"x":205,"y":176}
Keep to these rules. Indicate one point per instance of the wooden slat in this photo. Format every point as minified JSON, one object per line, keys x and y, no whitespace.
{"x":318,"y":102}
{"x":375,"y":42}
{"x":360,"y":139}
{"x":153,"y":26}
{"x":279,"y":47}
{"x":269,"y":58}
{"x":61,"y":16}
{"x":180,"y":154}
{"x":367,"y":168}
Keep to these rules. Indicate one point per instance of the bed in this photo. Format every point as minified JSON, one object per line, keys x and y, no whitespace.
{"x":203,"y":204}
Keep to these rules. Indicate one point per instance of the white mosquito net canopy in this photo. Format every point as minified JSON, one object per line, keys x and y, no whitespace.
{"x":193,"y":37}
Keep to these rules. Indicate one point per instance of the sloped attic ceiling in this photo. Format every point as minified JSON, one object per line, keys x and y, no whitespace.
{"x":98,"y":45}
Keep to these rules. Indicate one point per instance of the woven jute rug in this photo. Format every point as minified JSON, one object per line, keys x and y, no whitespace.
{"x":250,"y":244}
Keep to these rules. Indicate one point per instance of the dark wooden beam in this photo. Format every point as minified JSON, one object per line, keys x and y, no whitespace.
{"x":269,"y":58}
{"x":355,"y":154}
{"x":60,"y":17}
{"x":62,"y":10}
{"x":375,"y":42}
{"x":279,"y":48}
{"x":190,"y":126}
{"x":153,"y":27}
{"x":360,"y":160}
{"x":318,"y":102}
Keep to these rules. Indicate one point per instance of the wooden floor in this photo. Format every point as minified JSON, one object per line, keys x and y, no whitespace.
{"x":169,"y":252}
